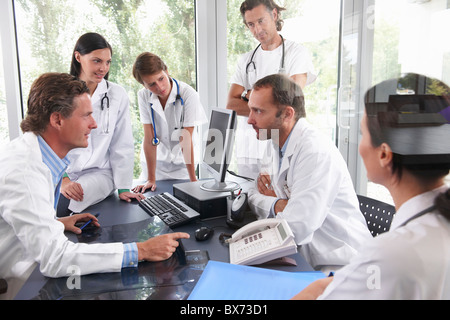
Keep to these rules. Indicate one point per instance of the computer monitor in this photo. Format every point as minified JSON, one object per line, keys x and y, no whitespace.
{"x":219,"y":148}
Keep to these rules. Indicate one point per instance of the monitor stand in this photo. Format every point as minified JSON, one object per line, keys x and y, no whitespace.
{"x":217,"y":186}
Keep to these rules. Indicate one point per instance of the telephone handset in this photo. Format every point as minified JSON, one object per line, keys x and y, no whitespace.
{"x":262,"y":241}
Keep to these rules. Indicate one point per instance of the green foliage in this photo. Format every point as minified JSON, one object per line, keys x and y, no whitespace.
{"x":164,"y":27}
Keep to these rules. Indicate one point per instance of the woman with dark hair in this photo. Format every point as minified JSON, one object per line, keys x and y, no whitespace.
{"x":107,"y":163}
{"x":405,"y":146}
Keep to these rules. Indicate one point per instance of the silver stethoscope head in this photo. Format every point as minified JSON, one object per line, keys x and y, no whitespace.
{"x":155,"y":141}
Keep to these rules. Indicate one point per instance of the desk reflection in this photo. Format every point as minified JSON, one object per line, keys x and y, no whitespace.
{"x":172,"y":279}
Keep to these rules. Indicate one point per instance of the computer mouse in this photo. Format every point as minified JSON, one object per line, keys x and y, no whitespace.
{"x":203,"y":233}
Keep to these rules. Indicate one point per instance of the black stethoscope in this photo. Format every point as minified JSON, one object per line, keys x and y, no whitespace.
{"x":252,"y":63}
{"x":156,"y":140}
{"x":102,"y":106}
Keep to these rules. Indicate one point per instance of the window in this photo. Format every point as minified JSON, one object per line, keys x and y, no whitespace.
{"x":47,"y":35}
{"x":394,"y":37}
{"x":314,"y":24}
{"x":4,"y":131}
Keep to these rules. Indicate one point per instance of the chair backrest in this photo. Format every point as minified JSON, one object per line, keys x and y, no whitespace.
{"x":378,"y":214}
{"x":3,"y":286}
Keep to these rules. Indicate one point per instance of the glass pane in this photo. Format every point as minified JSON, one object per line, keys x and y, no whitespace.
{"x":4,"y":130}
{"x":47,"y":36}
{"x":314,"y":24}
{"x":408,"y":37}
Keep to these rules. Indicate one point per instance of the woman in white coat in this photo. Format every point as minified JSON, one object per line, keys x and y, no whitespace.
{"x":170,"y":110}
{"x":107,"y":163}
{"x":412,"y":260}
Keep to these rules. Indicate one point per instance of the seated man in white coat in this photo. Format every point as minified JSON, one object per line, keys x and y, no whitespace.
{"x":59,"y":118}
{"x":305,"y":180}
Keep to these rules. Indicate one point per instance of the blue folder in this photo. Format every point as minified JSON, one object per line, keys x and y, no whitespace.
{"x":225,"y":281}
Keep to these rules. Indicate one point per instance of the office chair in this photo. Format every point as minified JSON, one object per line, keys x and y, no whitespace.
{"x":3,"y":286}
{"x":378,"y":214}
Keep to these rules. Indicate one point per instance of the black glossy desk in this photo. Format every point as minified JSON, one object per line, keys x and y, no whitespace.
{"x":115,"y":212}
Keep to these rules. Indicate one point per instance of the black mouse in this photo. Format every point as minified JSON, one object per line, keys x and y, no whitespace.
{"x":203,"y":233}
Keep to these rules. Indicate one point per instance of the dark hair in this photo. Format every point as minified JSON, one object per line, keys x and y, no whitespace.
{"x":412,"y":95}
{"x":285,"y":92}
{"x":147,"y":64}
{"x":442,"y":203}
{"x":51,"y":92}
{"x":86,"y":44}
{"x":269,"y":4}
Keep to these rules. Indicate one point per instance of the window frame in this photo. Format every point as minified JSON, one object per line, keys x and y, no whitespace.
{"x":13,"y":92}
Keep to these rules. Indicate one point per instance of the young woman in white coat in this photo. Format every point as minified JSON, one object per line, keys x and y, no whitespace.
{"x":107,"y":163}
{"x":170,"y":110}
{"x":412,"y":260}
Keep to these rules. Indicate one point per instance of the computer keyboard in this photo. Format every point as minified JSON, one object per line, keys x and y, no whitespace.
{"x":169,"y":209}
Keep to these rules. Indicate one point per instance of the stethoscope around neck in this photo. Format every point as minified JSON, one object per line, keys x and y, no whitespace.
{"x":155,"y":140}
{"x":105,"y":118}
{"x":252,"y":63}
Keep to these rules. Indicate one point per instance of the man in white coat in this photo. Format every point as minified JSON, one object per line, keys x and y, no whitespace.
{"x":274,"y":54}
{"x":305,"y":180}
{"x":59,"y":118}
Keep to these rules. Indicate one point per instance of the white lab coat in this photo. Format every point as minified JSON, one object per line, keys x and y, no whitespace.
{"x":409,"y":262}
{"x":170,"y":161}
{"x":249,"y":150}
{"x":108,"y":161}
{"x":323,"y":210}
{"x":29,"y":232}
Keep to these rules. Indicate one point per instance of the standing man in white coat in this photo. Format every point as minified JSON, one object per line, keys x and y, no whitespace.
{"x":273,"y":55}
{"x":107,"y":163}
{"x":59,"y":118}
{"x":305,"y":180}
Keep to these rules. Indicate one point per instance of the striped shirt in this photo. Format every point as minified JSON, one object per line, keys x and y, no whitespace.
{"x":57,"y":167}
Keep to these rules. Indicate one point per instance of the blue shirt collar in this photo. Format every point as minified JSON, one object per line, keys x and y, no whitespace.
{"x":56,"y":165}
{"x":282,"y":151}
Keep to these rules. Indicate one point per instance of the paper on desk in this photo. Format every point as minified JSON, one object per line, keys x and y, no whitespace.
{"x":224,"y":281}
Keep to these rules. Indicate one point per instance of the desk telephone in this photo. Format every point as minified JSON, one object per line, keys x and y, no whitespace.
{"x":261,"y":241}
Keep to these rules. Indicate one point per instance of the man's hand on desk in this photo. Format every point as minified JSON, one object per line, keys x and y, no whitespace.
{"x":70,"y":221}
{"x":160,"y":248}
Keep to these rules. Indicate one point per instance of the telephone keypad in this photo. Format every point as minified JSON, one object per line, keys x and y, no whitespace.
{"x":256,"y":243}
